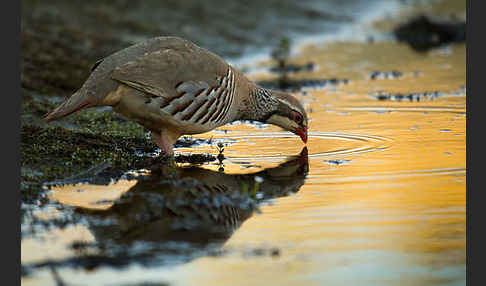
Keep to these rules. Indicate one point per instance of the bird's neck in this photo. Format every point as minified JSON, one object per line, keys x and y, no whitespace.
{"x":258,"y":105}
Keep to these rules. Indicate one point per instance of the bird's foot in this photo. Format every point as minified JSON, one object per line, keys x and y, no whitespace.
{"x":166,"y":148}
{"x":165,"y":166}
{"x":166,"y":156}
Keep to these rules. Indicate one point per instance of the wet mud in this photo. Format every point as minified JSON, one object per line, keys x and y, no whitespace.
{"x":380,"y":95}
{"x":293,"y":85}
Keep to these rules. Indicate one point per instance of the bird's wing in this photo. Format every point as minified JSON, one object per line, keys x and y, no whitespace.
{"x":201,"y":104}
{"x":159,"y":72}
{"x":195,"y":85}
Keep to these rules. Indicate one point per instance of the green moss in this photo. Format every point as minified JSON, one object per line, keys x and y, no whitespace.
{"x":107,"y":123}
{"x":56,"y":152}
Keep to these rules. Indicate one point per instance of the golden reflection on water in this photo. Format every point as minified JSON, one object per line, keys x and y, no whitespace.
{"x":384,"y":202}
{"x":391,"y":216}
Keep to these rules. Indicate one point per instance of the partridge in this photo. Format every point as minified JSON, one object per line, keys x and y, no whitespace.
{"x":173,"y":87}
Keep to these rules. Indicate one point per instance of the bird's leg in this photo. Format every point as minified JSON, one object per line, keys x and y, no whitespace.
{"x":166,"y":147}
{"x":163,"y":140}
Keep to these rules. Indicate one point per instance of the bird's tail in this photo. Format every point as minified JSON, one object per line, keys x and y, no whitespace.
{"x":74,"y":103}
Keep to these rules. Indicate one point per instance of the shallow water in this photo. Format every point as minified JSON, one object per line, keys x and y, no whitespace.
{"x":377,"y":197}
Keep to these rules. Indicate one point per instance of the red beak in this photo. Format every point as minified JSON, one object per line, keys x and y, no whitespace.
{"x":303,"y":134}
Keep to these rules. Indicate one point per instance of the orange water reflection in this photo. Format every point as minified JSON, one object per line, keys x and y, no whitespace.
{"x":384,"y":202}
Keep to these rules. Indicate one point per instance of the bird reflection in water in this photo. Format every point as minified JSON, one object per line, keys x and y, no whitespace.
{"x":191,"y":214}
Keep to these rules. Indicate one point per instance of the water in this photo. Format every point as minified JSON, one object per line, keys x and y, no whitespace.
{"x":377,"y":196}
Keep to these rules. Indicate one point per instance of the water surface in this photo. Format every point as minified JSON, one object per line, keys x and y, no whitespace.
{"x":377,"y":197}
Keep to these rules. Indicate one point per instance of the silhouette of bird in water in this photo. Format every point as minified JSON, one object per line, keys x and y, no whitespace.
{"x":198,"y":207}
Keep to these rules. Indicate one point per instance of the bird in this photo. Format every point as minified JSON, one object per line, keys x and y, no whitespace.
{"x":173,"y":87}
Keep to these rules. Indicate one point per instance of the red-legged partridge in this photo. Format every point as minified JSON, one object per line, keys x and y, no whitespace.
{"x":172,"y":87}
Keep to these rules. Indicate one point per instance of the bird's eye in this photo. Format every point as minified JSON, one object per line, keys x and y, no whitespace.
{"x":297,"y":118}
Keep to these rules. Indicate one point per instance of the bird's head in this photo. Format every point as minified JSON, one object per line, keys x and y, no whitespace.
{"x":289,"y":114}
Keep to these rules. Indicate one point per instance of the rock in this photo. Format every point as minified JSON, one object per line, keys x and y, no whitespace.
{"x":423,"y":34}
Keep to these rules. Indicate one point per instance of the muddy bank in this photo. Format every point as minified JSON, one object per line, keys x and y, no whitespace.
{"x":57,"y":154}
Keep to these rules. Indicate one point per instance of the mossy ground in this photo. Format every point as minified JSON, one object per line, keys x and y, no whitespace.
{"x":49,"y":153}
{"x":54,"y":153}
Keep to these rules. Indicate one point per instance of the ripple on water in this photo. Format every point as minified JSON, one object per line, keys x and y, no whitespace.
{"x":388,"y":109}
{"x":337,"y":144}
